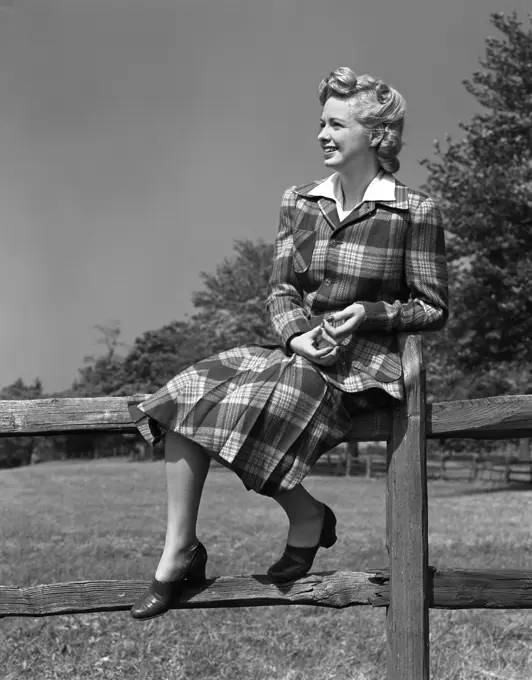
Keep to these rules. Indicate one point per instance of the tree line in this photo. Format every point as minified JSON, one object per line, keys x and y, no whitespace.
{"x":483,"y":184}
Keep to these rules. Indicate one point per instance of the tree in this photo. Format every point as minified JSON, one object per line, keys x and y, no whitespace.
{"x":230,"y":311}
{"x":101,"y":375}
{"x":233,"y":302}
{"x":15,"y":451}
{"x":19,"y":390}
{"x":483,"y":182}
{"x":156,"y":356}
{"x":110,"y":334}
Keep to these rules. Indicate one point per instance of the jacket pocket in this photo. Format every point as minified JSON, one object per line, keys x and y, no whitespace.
{"x":304,"y":244}
{"x":377,"y":356}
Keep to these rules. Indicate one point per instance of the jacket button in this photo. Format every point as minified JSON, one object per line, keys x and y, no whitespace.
{"x":334,"y":244}
{"x":328,"y":282}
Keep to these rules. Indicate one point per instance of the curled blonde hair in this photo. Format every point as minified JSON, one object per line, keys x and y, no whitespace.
{"x":376,"y":106}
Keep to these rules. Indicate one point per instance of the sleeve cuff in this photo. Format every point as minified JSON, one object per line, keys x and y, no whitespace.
{"x":376,"y":316}
{"x":287,"y":344}
{"x":293,"y":328}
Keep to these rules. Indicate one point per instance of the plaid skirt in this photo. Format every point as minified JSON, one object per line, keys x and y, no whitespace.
{"x":265,"y":415}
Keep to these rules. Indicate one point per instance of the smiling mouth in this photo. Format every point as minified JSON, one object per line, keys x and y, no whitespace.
{"x":328,"y":149}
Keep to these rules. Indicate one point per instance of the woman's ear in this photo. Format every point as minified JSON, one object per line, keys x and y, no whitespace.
{"x":376,"y":137}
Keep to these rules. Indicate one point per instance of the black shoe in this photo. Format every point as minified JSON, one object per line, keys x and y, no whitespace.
{"x":161,"y":594}
{"x":296,"y":562}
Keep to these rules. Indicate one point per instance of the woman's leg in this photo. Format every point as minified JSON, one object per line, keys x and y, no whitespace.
{"x":305,"y":515}
{"x":187,"y":465}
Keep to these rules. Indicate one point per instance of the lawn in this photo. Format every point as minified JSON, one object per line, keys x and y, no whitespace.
{"x":106,"y":520}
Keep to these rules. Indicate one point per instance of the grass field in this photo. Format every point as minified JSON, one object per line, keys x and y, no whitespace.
{"x":106,"y":520}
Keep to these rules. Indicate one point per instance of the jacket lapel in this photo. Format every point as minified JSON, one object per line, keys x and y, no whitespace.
{"x":326,"y":205}
{"x":328,"y":210}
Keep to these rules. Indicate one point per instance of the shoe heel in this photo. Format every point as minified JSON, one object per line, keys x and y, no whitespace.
{"x":198,"y":575}
{"x":328,"y":542}
{"x":328,"y":534}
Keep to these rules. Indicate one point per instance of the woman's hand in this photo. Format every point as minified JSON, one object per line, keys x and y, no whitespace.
{"x":306,"y":346}
{"x":352,"y":316}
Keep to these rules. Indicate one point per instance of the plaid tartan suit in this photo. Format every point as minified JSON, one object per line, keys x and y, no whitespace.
{"x":387,"y":255}
{"x":268,"y":414}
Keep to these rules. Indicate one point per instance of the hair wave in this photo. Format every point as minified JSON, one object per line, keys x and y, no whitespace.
{"x":376,"y":106}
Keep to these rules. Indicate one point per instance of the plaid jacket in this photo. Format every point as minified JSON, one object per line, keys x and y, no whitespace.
{"x":387,"y":255}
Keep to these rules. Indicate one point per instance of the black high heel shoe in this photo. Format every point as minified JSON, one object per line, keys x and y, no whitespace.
{"x":296,"y":562}
{"x":161,"y":594}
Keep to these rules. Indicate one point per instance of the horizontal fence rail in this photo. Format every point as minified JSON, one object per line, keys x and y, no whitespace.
{"x":447,"y":589}
{"x":502,"y":417}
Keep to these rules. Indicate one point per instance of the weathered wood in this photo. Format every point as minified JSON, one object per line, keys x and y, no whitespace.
{"x":448,"y":589}
{"x":503,"y":417}
{"x":472,"y":588}
{"x":332,"y":589}
{"x":490,"y":418}
{"x":58,"y":415}
{"x":351,"y":453}
{"x":407,"y":619}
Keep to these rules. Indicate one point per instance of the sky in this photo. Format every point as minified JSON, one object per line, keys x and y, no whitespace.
{"x":140,"y":138}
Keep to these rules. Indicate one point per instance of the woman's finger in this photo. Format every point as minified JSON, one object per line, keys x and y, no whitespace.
{"x":316,"y":335}
{"x":323,"y":352}
{"x":320,"y":336}
{"x":339,"y":333}
{"x":329,"y":357}
{"x":332,"y":350}
{"x":327,"y":361}
{"x":333,"y":342}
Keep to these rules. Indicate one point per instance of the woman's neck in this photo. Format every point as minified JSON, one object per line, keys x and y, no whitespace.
{"x":355,"y":181}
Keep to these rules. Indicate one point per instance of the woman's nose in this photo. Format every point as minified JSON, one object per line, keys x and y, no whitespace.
{"x":322,"y":135}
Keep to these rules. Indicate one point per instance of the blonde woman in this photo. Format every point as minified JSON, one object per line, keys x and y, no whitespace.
{"x":358,"y":258}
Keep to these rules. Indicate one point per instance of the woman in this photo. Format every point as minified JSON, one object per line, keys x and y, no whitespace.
{"x":358,"y":258}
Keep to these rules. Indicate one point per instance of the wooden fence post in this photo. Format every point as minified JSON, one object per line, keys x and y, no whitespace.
{"x":407,"y":525}
{"x":351,"y":451}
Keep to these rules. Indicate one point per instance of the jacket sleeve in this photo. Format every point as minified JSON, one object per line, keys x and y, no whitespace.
{"x":427,"y":308}
{"x":285,"y":298}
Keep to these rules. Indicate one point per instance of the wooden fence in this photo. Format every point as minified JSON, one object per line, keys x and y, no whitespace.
{"x":407,"y":586}
{"x":467,"y":466}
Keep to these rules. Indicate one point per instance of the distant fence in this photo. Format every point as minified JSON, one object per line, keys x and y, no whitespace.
{"x":407,"y":586}
{"x":468,"y":466}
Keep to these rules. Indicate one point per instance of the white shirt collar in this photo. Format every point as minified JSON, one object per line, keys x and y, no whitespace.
{"x":381,"y":188}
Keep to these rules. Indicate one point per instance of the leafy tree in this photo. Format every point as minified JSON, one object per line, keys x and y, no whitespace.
{"x":156,"y":356}
{"x":230,"y":312}
{"x":484,"y":184}
{"x":109,"y":336}
{"x":101,"y":374}
{"x":19,"y":390}
{"x":15,"y":451}
{"x":232,"y":305}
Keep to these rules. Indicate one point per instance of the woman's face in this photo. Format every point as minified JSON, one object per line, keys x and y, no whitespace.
{"x":345,"y":142}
